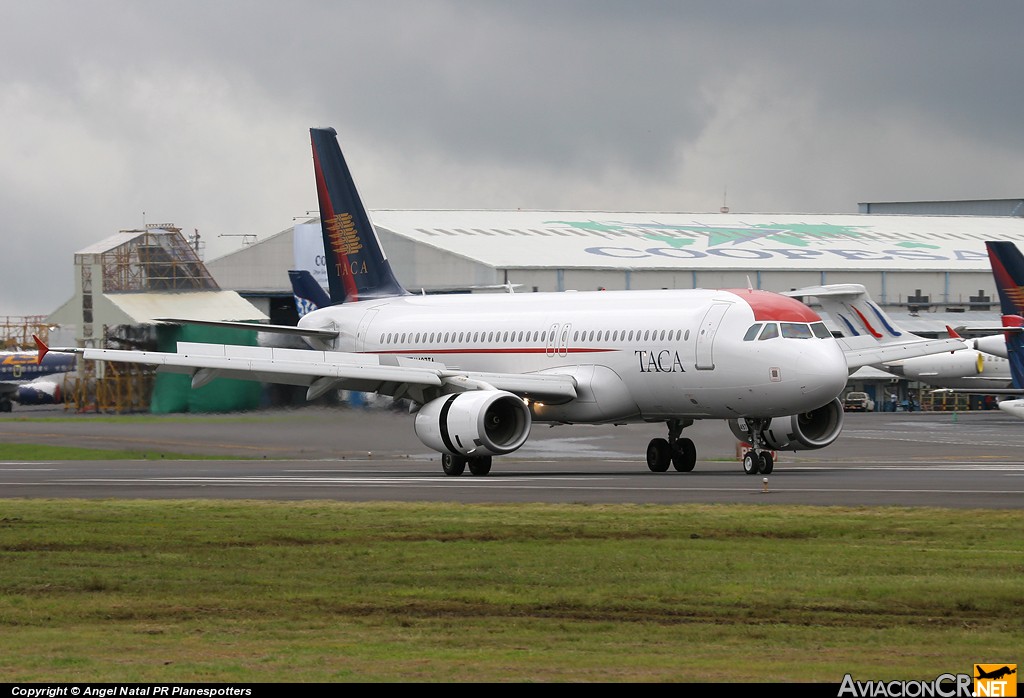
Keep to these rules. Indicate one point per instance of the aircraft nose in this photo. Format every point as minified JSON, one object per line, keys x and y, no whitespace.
{"x":829,"y":371}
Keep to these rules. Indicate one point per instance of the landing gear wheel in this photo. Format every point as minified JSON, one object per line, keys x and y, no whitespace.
{"x":453,"y":465}
{"x":751,"y":463}
{"x":684,"y":455}
{"x":659,"y":455}
{"x":5,"y":405}
{"x":767,"y":463}
{"x":480,"y":465}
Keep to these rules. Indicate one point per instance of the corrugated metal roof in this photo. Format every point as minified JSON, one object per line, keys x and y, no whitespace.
{"x":111,"y":242}
{"x":653,"y":240}
{"x":144,"y":308}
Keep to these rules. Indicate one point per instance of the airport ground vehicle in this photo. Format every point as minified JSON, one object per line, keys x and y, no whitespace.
{"x":857,"y":401}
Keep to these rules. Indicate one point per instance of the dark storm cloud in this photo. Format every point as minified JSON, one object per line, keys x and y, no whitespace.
{"x":117,"y":113}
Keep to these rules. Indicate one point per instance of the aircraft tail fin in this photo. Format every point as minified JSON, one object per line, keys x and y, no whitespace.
{"x":357,"y":268}
{"x":1015,"y":350}
{"x":1008,"y":269}
{"x":309,"y":294}
{"x":870,"y":335}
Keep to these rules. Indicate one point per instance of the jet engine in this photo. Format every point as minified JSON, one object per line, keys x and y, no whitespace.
{"x":474,"y":423}
{"x":39,"y":393}
{"x":799,"y":432}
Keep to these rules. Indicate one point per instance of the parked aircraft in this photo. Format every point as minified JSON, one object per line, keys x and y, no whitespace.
{"x":484,"y":367}
{"x":28,"y":382}
{"x":1008,"y":269}
{"x":968,"y":368}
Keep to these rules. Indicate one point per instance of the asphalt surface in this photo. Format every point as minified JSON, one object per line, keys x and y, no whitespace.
{"x":965,"y":460}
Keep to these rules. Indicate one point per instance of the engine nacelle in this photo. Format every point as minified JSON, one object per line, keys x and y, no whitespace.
{"x":39,"y":393}
{"x":474,"y":423}
{"x":799,"y":432}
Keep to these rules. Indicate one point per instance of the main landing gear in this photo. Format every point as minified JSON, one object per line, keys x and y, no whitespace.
{"x":680,"y":452}
{"x":757,"y":460}
{"x":456,"y":465}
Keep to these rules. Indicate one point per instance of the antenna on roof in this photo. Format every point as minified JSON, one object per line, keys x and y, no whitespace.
{"x":725,"y":205}
{"x":750,"y":287}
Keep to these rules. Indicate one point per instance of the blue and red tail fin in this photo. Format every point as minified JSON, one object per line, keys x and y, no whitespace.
{"x":309,"y":294}
{"x":357,"y":268}
{"x":1015,"y":350}
{"x":1008,"y":270}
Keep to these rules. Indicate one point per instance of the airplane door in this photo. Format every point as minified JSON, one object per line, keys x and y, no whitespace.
{"x":552,"y":339}
{"x":364,"y":326}
{"x":563,"y":340}
{"x":706,"y":335}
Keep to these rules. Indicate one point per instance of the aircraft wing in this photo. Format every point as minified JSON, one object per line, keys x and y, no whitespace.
{"x":275,"y":329}
{"x":870,"y":336}
{"x":321,"y":371}
{"x":858,"y":356}
{"x":979,"y":391}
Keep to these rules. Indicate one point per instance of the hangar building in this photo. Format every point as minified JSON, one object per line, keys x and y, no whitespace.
{"x":921,"y":268}
{"x":928,"y":271}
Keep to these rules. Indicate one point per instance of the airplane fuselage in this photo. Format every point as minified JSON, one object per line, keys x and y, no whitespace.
{"x":20,"y":366}
{"x":23,"y":379}
{"x":969,"y":368}
{"x":635,"y":355}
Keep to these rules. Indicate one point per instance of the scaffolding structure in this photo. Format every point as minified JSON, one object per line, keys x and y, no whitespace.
{"x":158,"y":258}
{"x":119,"y":389}
{"x":16,"y":331}
{"x":155,"y":259}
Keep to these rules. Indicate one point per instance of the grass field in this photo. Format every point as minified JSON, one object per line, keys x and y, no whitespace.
{"x":140,"y":591}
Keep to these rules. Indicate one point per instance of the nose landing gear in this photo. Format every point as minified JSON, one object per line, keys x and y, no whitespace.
{"x":756,"y":460}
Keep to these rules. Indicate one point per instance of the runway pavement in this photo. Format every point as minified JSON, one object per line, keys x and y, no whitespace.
{"x":967,"y":460}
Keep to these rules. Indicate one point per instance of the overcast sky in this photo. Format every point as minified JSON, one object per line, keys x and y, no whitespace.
{"x":115,"y":113}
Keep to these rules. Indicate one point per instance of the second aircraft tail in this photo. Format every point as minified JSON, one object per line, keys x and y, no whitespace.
{"x":1008,"y":269}
{"x":309,"y":295}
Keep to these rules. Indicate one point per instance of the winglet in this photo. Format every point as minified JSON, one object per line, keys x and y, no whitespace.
{"x":954,"y":335}
{"x":41,"y":347}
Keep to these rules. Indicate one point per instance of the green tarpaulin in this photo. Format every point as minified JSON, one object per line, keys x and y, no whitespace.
{"x":172,"y":392}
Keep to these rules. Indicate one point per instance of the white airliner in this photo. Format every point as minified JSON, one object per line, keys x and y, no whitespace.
{"x":969,"y":368}
{"x":483,"y":368}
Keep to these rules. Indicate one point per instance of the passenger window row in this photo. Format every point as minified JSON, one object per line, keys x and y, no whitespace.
{"x":521,"y":337}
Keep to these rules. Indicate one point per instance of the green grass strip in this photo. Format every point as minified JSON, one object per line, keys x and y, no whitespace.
{"x":143,"y":591}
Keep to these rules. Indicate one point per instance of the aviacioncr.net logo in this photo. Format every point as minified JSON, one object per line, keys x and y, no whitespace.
{"x":943,"y":686}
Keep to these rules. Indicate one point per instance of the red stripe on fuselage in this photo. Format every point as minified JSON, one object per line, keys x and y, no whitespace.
{"x":771,"y":306}
{"x":556,"y":350}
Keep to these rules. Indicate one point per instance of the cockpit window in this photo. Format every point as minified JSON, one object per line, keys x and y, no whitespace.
{"x":796,"y":330}
{"x":820,"y":331}
{"x":752,"y":332}
{"x":771,"y":331}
